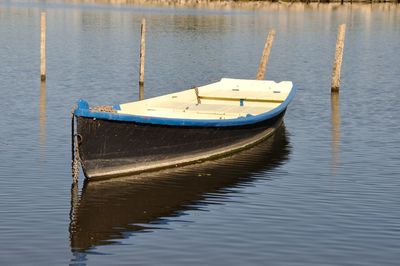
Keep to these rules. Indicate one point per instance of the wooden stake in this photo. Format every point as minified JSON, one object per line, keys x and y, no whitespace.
{"x":142,"y":56}
{"x":43,"y":46}
{"x":337,"y":64}
{"x":265,"y":56}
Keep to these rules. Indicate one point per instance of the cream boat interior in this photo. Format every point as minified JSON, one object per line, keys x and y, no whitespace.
{"x":225,"y":99}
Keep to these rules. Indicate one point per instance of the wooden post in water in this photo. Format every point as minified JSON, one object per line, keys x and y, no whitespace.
{"x":142,"y":56}
{"x":43,"y":46}
{"x":265,"y":55}
{"x":337,"y":64}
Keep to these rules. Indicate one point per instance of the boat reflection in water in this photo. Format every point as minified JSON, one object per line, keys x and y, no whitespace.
{"x":110,"y":210}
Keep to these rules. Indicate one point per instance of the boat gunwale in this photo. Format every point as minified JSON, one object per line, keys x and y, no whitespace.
{"x":83,"y":110}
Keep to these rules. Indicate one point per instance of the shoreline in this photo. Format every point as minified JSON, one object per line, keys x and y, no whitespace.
{"x":243,"y":4}
{"x":228,"y":5}
{"x":248,"y":4}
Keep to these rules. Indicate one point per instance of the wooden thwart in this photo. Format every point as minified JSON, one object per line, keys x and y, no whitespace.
{"x":238,"y":99}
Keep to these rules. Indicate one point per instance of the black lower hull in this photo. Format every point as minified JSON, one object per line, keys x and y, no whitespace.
{"x":112,"y":148}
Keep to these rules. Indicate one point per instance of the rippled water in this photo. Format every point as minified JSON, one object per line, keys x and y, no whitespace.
{"x":323,"y":191}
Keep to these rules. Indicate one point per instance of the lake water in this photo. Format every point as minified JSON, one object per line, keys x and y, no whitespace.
{"x":325,"y":190}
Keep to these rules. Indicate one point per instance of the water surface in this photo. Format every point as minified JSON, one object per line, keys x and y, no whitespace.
{"x":325,"y":190}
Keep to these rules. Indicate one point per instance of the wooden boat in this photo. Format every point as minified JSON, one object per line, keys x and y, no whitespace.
{"x":179,"y":128}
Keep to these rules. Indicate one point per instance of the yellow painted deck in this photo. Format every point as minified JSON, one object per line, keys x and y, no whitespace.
{"x":226,"y":99}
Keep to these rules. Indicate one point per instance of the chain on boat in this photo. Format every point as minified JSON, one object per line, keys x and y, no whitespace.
{"x":76,"y":139}
{"x":75,"y":164}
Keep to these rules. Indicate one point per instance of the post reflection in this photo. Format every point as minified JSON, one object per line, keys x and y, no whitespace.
{"x":109,"y":210}
{"x":141,"y":92}
{"x":42,"y":119}
{"x":335,"y":120}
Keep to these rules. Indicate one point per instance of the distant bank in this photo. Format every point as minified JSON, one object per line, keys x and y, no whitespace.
{"x":227,"y":2}
{"x":244,"y":4}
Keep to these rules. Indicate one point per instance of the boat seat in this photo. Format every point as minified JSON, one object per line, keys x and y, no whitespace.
{"x":269,"y":100}
{"x":227,"y":110}
{"x":275,"y":96}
